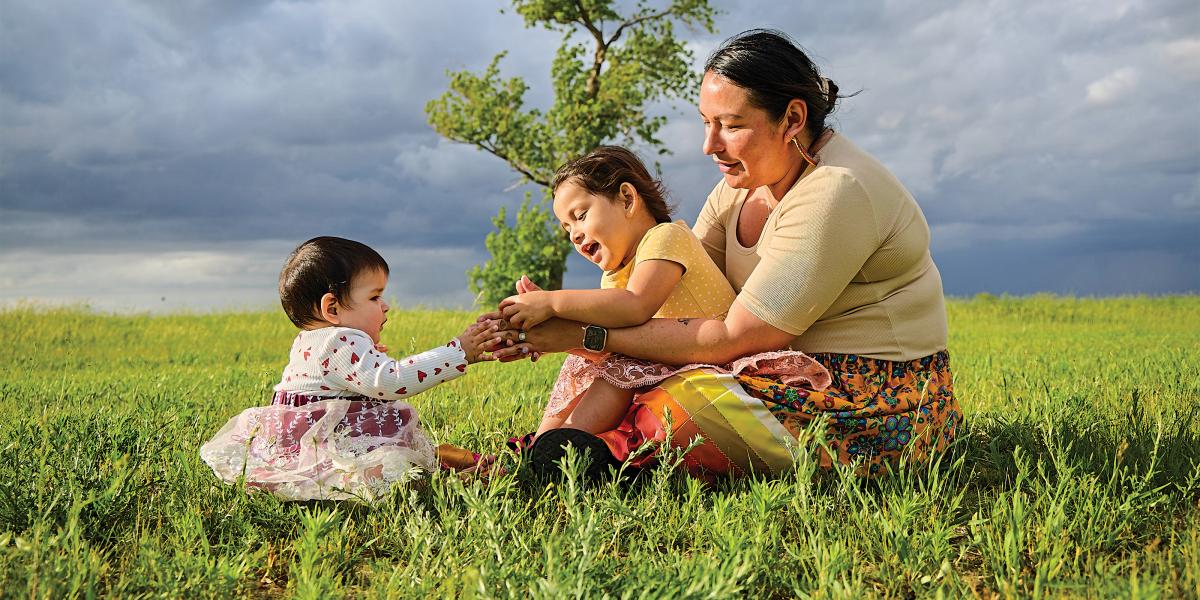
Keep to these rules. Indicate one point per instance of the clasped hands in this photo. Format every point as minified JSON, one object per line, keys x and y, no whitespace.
{"x":514,"y":321}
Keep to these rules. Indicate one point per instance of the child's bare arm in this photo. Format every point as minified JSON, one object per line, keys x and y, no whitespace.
{"x":652,"y":282}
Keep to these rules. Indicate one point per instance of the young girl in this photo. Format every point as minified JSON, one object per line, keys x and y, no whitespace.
{"x":617,"y":218}
{"x":336,"y":427}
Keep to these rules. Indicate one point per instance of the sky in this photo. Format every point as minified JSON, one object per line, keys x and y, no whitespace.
{"x":161,"y":156}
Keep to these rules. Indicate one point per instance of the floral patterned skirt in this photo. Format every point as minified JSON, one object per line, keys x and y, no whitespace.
{"x":873,"y":412}
{"x":308,"y":448}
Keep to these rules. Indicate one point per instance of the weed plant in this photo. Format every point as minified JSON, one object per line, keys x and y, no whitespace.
{"x":1076,"y":476}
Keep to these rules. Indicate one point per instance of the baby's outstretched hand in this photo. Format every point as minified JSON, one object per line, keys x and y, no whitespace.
{"x":525,"y":311}
{"x":477,"y":342}
{"x":381,"y":348}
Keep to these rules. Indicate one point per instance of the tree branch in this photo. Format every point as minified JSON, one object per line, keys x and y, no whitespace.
{"x":616,"y":34}
{"x":517,"y":165}
{"x":586,"y":20}
{"x":593,"y":80}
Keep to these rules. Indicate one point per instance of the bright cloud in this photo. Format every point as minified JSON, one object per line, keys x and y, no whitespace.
{"x":1113,"y":87}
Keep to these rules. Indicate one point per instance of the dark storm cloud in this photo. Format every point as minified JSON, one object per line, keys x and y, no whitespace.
{"x":1097,"y":259}
{"x":1043,"y":141}
{"x":238,"y":122}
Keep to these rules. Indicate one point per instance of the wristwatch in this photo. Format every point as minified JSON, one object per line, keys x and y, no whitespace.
{"x":594,"y":338}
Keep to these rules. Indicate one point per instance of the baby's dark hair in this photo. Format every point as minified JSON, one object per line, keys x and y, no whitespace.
{"x":603,"y":170}
{"x":323,"y":265}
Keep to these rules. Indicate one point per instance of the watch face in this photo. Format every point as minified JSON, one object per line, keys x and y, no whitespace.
{"x":594,"y":338}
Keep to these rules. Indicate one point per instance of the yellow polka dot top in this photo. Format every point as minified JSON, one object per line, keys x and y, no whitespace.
{"x":702,"y":292}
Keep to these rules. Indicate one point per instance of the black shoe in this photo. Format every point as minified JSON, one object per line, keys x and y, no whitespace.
{"x":550,"y":447}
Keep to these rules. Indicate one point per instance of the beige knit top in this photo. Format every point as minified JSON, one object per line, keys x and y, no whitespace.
{"x":843,"y":261}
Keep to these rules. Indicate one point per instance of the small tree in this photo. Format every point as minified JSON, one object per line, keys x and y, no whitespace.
{"x":531,"y":248}
{"x":602,"y":88}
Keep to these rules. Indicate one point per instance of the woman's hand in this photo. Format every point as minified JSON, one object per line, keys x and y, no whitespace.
{"x":510,"y":341}
{"x":502,"y":337}
{"x":553,"y":335}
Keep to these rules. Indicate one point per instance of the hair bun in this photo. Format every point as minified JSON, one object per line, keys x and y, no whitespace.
{"x":832,"y":91}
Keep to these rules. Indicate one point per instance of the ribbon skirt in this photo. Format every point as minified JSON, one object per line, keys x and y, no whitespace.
{"x":872,"y":413}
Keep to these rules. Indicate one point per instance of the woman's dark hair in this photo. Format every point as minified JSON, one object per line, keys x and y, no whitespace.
{"x":323,"y":265}
{"x":775,"y":71}
{"x":603,"y":170}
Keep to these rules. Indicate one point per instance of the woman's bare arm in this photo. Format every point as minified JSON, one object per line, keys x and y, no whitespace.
{"x":667,"y":341}
{"x":683,"y":341}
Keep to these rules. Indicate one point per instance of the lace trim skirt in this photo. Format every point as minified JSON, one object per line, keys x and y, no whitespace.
{"x":311,"y":448}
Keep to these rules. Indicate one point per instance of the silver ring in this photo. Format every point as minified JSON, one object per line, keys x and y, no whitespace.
{"x":521,"y":336}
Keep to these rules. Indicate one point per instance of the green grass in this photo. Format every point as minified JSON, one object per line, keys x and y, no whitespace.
{"x":1078,"y":476}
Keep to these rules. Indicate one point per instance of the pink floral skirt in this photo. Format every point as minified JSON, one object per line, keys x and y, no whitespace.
{"x":310,"y":448}
{"x":578,"y":373}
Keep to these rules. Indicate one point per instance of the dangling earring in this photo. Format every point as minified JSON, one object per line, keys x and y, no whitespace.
{"x":809,"y":158}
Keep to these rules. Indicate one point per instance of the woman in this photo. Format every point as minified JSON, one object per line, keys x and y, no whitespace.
{"x":829,"y":254}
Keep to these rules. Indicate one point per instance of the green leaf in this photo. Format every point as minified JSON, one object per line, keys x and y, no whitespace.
{"x":609,"y":68}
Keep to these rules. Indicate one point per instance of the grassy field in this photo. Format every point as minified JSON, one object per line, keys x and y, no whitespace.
{"x":1078,"y":476}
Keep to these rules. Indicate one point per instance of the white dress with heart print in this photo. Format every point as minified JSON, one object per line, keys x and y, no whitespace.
{"x":337,"y":427}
